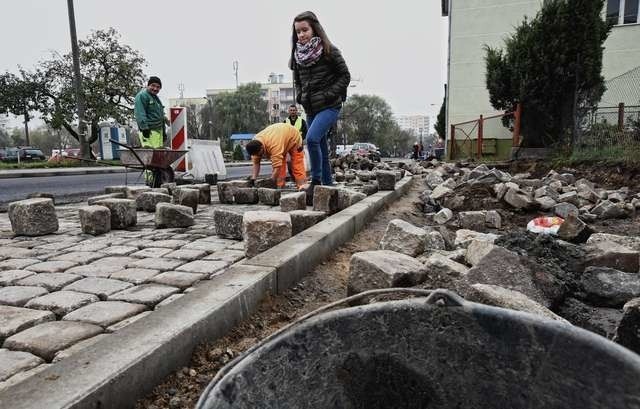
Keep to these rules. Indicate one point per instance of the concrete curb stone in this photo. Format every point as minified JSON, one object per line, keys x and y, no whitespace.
{"x":128,"y":364}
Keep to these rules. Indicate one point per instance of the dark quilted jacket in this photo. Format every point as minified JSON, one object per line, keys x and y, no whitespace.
{"x":322,"y":85}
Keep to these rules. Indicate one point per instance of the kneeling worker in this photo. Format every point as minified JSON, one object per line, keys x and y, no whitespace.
{"x":274,"y":142}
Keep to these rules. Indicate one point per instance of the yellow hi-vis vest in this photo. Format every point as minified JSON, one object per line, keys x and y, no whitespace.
{"x":297,"y":125}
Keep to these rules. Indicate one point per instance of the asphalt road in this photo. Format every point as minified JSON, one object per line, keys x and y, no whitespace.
{"x":75,"y":188}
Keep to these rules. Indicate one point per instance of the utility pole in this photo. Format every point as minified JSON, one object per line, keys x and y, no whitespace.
{"x":82,"y":126}
{"x":235,"y":70}
{"x":210,"y":124}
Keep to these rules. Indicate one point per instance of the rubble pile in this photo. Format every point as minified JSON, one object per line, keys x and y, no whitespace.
{"x":364,"y":175}
{"x":469,"y":244}
{"x":457,"y":187}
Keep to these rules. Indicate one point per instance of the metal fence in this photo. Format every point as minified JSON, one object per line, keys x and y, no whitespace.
{"x":478,"y":138}
{"x":610,"y":132}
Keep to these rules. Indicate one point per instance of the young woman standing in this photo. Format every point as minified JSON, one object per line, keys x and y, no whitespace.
{"x":321,"y":78}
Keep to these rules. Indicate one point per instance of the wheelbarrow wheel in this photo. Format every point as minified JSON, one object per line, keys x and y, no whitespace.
{"x":161,"y":176}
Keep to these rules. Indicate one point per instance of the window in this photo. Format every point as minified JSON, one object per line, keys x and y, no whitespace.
{"x":623,"y":12}
{"x":630,"y":12}
{"x":613,"y":11}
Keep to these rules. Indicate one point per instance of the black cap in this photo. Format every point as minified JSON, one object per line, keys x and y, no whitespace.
{"x":154,"y":80}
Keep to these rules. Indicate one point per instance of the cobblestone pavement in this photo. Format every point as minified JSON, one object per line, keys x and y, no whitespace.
{"x":62,"y":292}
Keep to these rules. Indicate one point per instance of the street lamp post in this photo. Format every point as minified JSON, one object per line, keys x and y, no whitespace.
{"x":235,"y":71}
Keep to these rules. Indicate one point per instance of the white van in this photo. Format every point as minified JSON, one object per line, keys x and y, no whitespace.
{"x":342,"y":150}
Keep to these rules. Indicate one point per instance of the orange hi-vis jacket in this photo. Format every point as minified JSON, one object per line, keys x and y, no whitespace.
{"x":278,"y":140}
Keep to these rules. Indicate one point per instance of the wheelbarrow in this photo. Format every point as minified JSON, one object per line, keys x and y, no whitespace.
{"x":155,"y":163}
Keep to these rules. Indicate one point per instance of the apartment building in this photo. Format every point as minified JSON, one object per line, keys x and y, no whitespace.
{"x":474,"y":23}
{"x":418,"y":125}
{"x":276,"y":91}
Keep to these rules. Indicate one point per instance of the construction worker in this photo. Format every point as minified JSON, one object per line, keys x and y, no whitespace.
{"x":149,"y":113}
{"x":275,"y":142}
{"x":296,"y":121}
{"x":300,"y":124}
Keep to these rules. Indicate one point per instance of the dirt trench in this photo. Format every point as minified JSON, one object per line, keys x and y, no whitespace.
{"x":325,"y":284}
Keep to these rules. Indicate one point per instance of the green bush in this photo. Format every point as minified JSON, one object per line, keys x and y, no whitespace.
{"x":552,"y":66}
{"x":237,"y":153}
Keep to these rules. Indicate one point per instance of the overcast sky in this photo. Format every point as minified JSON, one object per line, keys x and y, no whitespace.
{"x":397,"y":49}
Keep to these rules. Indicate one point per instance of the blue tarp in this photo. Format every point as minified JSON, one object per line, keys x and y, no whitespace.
{"x":242,"y":136}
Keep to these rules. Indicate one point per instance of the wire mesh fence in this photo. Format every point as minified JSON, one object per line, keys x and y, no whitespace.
{"x":609,"y":132}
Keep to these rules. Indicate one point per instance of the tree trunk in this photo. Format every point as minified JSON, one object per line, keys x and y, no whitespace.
{"x":71,"y":131}
{"x":26,"y":129}
{"x":85,"y":144}
{"x":95,"y":132}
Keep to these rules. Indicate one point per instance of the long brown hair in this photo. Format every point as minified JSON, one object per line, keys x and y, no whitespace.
{"x":318,"y":31}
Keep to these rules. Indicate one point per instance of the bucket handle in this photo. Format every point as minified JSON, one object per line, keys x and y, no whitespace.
{"x":437,"y":297}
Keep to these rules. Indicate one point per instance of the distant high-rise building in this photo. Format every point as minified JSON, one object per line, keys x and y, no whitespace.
{"x":416,"y":124}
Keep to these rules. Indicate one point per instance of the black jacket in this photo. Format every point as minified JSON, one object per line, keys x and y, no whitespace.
{"x":322,"y":85}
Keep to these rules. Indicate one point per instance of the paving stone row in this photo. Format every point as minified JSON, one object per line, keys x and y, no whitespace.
{"x":62,"y":292}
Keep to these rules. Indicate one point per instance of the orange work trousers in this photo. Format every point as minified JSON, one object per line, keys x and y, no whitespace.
{"x":297,"y":168}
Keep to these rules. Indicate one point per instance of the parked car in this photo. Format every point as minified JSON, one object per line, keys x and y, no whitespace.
{"x":11,"y":155}
{"x":32,"y":154}
{"x":26,"y":154}
{"x":73,"y":152}
{"x":56,"y":155}
{"x":367,"y":149}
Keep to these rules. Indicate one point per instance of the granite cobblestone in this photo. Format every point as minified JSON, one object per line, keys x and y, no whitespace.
{"x":62,"y":292}
{"x":49,"y":281}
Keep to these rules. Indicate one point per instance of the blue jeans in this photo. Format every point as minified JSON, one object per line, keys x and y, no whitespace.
{"x":319,"y":125}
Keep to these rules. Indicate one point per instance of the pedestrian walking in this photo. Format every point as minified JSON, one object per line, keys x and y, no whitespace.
{"x":321,"y":78}
{"x":416,"y":151}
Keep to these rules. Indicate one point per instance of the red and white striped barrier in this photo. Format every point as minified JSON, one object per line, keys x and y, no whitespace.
{"x":179,"y":135}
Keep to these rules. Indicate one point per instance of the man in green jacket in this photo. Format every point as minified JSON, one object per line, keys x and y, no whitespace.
{"x":149,"y":113}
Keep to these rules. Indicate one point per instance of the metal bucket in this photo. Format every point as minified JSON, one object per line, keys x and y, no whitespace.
{"x":436,"y":352}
